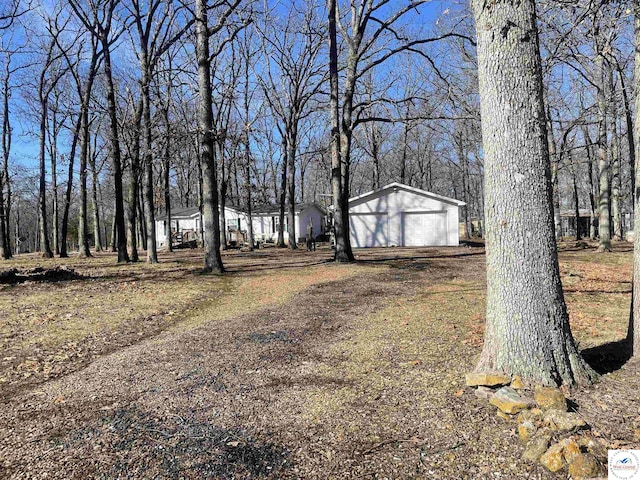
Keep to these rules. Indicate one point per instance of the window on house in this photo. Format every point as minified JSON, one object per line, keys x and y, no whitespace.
{"x":232,"y":224}
{"x":275,"y":222}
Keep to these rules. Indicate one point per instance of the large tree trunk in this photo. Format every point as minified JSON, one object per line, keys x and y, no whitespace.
{"x":604,"y":229}
{"x":633,"y":335}
{"x":5,"y":252}
{"x":95,"y":205}
{"x":166,"y":171}
{"x":464,"y":164}
{"x":247,"y":158}
{"x":83,"y":230}
{"x":149,"y":210}
{"x":576,"y":198}
{"x":343,"y":251}
{"x":616,"y":212}
{"x":134,"y":186}
{"x":247,"y":186}
{"x":593,"y":199}
{"x":45,"y":248}
{"x":282,"y":201}
{"x":630,"y":139}
{"x":553,"y":156}
{"x":291,"y":184}
{"x":54,"y":183}
{"x":211,"y":220}
{"x":5,"y":244}
{"x":121,"y":236}
{"x":527,"y":325}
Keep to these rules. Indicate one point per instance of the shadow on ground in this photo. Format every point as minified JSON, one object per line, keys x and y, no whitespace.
{"x":608,"y":357}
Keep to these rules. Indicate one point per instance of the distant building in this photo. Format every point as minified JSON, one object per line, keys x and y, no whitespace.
{"x":186,"y":224}
{"x":400,"y":215}
{"x":568,"y":222}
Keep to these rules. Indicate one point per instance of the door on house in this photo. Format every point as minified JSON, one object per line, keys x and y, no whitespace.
{"x":424,"y":229}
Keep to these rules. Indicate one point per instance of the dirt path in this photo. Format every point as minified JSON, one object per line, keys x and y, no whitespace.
{"x":358,"y":377}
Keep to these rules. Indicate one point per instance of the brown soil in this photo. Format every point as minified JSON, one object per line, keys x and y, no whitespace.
{"x":289,"y":366}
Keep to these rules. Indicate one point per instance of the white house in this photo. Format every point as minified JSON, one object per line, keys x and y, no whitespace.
{"x":400,"y":215}
{"x":266,"y":219}
{"x":185,"y":223}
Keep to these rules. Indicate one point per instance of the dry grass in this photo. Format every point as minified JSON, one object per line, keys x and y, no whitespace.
{"x":288,"y":367}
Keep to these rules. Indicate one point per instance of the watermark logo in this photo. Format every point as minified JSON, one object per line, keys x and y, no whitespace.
{"x":624,"y":464}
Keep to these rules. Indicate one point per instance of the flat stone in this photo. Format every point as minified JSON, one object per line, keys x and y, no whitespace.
{"x":571,"y":450}
{"x":536,"y":447}
{"x":484,"y":392}
{"x":583,"y":465}
{"x":560,"y":421}
{"x":534,"y":415}
{"x":509,"y":401}
{"x":517,"y":383}
{"x":526,"y":431}
{"x":504,"y":416}
{"x":487,"y":379}
{"x":552,"y":459}
{"x":549,"y":398}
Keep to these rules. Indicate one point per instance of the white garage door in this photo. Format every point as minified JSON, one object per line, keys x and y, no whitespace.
{"x":422,"y":229}
{"x":369,"y":229}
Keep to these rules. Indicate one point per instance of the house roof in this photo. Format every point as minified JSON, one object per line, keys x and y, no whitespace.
{"x":274,"y":209}
{"x":409,"y":189}
{"x":265,"y":209}
{"x":184,"y":212}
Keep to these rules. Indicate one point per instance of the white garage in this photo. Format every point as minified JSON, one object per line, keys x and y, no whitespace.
{"x":400,"y":215}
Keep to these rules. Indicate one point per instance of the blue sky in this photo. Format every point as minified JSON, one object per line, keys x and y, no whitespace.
{"x":25,"y":144}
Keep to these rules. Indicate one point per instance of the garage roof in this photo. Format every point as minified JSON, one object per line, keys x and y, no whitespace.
{"x":409,"y":189}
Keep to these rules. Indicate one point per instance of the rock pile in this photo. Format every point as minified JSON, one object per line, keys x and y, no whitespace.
{"x":551,"y":435}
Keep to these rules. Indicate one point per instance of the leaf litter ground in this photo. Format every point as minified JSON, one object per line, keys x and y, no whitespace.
{"x":287,"y":367}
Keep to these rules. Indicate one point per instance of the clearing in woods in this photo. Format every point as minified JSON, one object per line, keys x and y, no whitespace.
{"x":289,"y":366}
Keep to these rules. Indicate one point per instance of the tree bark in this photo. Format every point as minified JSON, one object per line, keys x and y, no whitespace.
{"x":95,"y":205}
{"x":211,"y":220}
{"x":121,"y":237}
{"x":604,"y":229}
{"x":166,"y":171}
{"x":5,"y":244}
{"x":633,"y":335}
{"x":553,"y":155}
{"x":45,"y":247}
{"x":343,"y":251}
{"x":527,"y":325}
{"x":247,"y":157}
{"x":134,"y":185}
{"x":54,"y":180}
{"x":291,"y":184}
{"x":282,"y":201}
{"x":630,"y":139}
{"x":593,"y":203}
{"x":150,"y":217}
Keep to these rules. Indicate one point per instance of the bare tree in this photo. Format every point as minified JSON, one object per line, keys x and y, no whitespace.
{"x":211,"y":215}
{"x":99,"y":22}
{"x":155,"y":22}
{"x":633,"y":335}
{"x":294,"y":75}
{"x":50,"y":74}
{"x":527,"y":327}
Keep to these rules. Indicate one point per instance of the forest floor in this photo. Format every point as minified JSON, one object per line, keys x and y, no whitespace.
{"x":288,"y":366}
